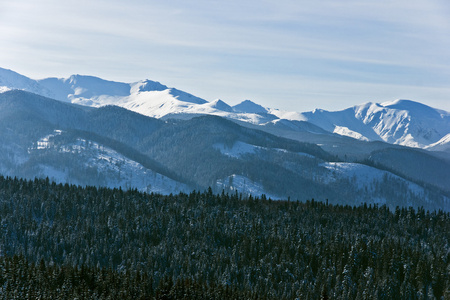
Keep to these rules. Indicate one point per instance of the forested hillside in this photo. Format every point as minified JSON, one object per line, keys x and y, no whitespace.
{"x":113,"y":147}
{"x":67,"y":241}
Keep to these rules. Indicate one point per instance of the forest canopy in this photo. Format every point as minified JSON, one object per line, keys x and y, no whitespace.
{"x":69,"y":241}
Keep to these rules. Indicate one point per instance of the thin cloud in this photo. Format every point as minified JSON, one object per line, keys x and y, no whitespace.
{"x":217,"y":49}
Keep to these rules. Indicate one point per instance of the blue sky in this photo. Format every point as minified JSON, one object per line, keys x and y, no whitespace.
{"x":293,"y":55}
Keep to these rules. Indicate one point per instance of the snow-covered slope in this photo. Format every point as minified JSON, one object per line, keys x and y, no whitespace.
{"x":441,"y":145}
{"x":11,"y":80}
{"x":109,"y":167}
{"x":248,"y":106}
{"x":42,"y":137}
{"x":243,"y":185}
{"x":112,"y":146}
{"x":368,"y":179}
{"x":401,"y":122}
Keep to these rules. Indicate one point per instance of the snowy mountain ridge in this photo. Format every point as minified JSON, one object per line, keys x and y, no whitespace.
{"x":115,"y":147}
{"x":121,"y":171}
{"x":401,"y":122}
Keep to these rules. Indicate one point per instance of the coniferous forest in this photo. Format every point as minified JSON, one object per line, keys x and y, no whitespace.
{"x":67,"y":242}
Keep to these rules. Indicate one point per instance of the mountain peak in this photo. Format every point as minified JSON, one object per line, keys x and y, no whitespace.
{"x":147,"y":86}
{"x":186,"y":97}
{"x":10,"y":80}
{"x":248,"y":106}
{"x":414,"y":108}
{"x":90,"y":86}
{"x":401,"y":121}
{"x":8,"y":72}
{"x":13,"y":80}
{"x":396,"y":102}
{"x":220,"y":105}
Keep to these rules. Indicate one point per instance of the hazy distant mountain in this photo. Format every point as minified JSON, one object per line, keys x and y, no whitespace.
{"x":401,"y":122}
{"x":250,"y":107}
{"x":12,"y":80}
{"x":112,"y":146}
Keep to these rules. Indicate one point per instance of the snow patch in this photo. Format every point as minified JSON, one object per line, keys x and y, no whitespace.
{"x":238,"y":150}
{"x":118,"y":169}
{"x":363,"y":175}
{"x":219,"y":105}
{"x":288,"y":115}
{"x":53,"y":174}
{"x":443,"y":143}
{"x":342,"y":130}
{"x":146,"y":86}
{"x":44,"y":143}
{"x":4,"y":89}
{"x":243,"y":185}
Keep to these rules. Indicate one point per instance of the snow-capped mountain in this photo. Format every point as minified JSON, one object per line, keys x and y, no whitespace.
{"x":41,"y":137}
{"x":11,"y":80}
{"x":112,"y":146}
{"x":401,"y":122}
{"x":108,"y":133}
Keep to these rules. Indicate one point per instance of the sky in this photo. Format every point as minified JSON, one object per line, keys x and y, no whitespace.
{"x":287,"y":54}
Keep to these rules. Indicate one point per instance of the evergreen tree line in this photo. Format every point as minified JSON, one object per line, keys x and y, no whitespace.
{"x":20,"y":279}
{"x":89,"y":242}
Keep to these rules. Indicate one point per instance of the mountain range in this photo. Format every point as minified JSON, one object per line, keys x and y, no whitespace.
{"x":86,"y":130}
{"x":401,"y":122}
